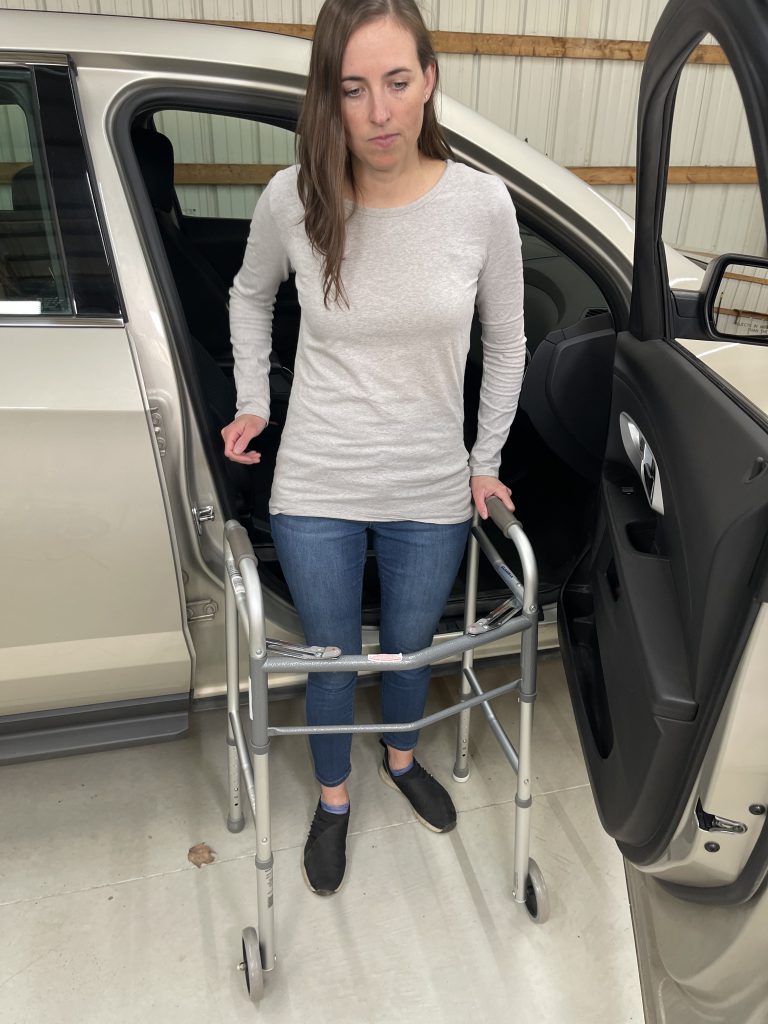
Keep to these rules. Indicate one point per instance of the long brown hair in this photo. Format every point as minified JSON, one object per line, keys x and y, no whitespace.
{"x":324,"y":161}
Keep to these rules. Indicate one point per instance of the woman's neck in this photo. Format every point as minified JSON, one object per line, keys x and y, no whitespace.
{"x":394,"y":188}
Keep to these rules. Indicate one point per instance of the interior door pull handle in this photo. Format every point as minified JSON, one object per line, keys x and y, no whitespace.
{"x":642,"y":458}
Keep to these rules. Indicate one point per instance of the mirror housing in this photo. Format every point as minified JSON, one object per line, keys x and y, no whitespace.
{"x":735,"y":291}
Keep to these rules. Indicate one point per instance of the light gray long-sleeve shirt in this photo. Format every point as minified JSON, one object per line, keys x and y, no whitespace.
{"x":375,"y":421}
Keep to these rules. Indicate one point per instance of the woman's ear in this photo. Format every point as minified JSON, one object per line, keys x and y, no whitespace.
{"x":429,"y":81}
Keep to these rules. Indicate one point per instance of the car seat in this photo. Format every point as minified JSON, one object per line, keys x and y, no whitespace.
{"x":204,"y":295}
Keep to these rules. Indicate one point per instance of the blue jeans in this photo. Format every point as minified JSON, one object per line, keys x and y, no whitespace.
{"x":322,"y":561}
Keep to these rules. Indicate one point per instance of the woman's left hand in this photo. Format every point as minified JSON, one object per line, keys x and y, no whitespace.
{"x":484,"y":487}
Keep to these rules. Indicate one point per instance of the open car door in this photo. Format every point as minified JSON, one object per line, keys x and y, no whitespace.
{"x":664,"y":624}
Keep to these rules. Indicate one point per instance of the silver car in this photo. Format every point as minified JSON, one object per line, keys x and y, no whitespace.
{"x":638,"y":466}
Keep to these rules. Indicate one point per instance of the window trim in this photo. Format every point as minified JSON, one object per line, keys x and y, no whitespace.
{"x":66,"y":151}
{"x":9,"y":320}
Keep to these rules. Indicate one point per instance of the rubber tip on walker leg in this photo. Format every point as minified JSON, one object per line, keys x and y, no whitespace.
{"x":236,"y":824}
{"x":461,"y":777}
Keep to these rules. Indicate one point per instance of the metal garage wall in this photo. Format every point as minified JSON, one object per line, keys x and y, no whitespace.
{"x":579,"y":112}
{"x":208,"y":139}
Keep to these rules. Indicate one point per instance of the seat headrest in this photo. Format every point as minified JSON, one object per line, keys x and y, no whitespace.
{"x":24,"y":194}
{"x":155,"y":155}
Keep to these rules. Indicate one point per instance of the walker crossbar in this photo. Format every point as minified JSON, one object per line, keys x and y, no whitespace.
{"x":249,"y":757}
{"x":402,"y":662}
{"x":465,"y":703}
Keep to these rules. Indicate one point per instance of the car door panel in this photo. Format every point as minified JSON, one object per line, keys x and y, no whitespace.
{"x":671,"y":594}
{"x":655,"y":618}
{"x":95,"y":613}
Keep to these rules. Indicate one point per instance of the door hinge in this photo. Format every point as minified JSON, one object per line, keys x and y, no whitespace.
{"x":159,"y":429}
{"x":714,"y":823}
{"x":199,"y":611}
{"x":204,"y":514}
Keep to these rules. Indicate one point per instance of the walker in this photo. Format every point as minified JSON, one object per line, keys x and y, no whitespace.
{"x":249,"y":758}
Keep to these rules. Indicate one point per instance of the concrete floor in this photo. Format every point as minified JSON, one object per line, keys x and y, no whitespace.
{"x":104,"y":920}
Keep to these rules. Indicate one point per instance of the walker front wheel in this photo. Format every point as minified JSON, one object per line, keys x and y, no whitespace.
{"x":536,"y":895}
{"x":251,"y":965}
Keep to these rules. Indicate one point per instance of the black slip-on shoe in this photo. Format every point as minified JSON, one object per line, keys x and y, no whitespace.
{"x":325,"y":852}
{"x":430,"y":801}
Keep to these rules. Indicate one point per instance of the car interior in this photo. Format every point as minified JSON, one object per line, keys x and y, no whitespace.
{"x":552,"y":457}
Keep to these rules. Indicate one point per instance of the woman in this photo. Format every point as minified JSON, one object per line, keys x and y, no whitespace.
{"x":392,"y":243}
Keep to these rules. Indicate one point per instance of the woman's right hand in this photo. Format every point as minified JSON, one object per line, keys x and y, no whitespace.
{"x":237,"y":436}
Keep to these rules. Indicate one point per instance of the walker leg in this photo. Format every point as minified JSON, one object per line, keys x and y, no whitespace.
{"x":264,"y":863}
{"x":235,"y":818}
{"x":523,"y":804}
{"x":461,"y":765}
{"x":523,"y":796}
{"x":264,"y":859}
{"x":528,"y":883}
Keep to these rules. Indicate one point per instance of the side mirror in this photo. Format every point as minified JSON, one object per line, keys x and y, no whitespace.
{"x":736,"y":297}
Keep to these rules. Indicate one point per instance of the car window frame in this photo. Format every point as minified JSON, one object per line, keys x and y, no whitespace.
{"x":96,"y":298}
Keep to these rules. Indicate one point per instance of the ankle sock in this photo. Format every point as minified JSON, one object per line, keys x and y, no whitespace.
{"x":334,"y":809}
{"x":396,"y":772}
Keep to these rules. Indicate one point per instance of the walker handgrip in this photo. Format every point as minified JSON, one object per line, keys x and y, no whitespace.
{"x":239,"y":542}
{"x":501,"y":515}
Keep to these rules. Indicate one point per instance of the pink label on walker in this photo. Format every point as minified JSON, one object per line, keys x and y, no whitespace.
{"x":385,"y":657}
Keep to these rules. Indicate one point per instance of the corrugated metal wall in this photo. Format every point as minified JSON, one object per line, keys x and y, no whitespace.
{"x":742,"y":301}
{"x":202,"y":138}
{"x":578,"y":112}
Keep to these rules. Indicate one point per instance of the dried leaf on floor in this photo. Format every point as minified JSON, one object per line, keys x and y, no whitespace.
{"x":201,"y":854}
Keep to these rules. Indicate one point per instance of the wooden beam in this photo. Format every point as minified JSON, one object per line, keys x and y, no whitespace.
{"x":741,"y":312}
{"x":677,"y":175}
{"x":712,"y":176}
{"x":749,"y":278}
{"x":499,"y":44}
{"x":224,"y":174}
{"x":259,"y":174}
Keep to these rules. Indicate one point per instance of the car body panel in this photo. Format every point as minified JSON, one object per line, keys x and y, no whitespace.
{"x":94,"y":613}
{"x":698,"y":962}
{"x":743,"y":367}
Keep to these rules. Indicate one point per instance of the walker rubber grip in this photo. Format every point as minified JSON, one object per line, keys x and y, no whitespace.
{"x":501,"y":515}
{"x":239,"y":542}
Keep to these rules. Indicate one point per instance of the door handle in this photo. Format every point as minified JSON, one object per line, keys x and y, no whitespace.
{"x":642,"y":458}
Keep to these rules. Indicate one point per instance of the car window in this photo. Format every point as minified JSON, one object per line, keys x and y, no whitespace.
{"x":222,"y":163}
{"x":32,"y":278}
{"x":722,"y":211}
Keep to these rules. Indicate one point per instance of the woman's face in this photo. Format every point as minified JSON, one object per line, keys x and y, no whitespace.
{"x":383,"y":92}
